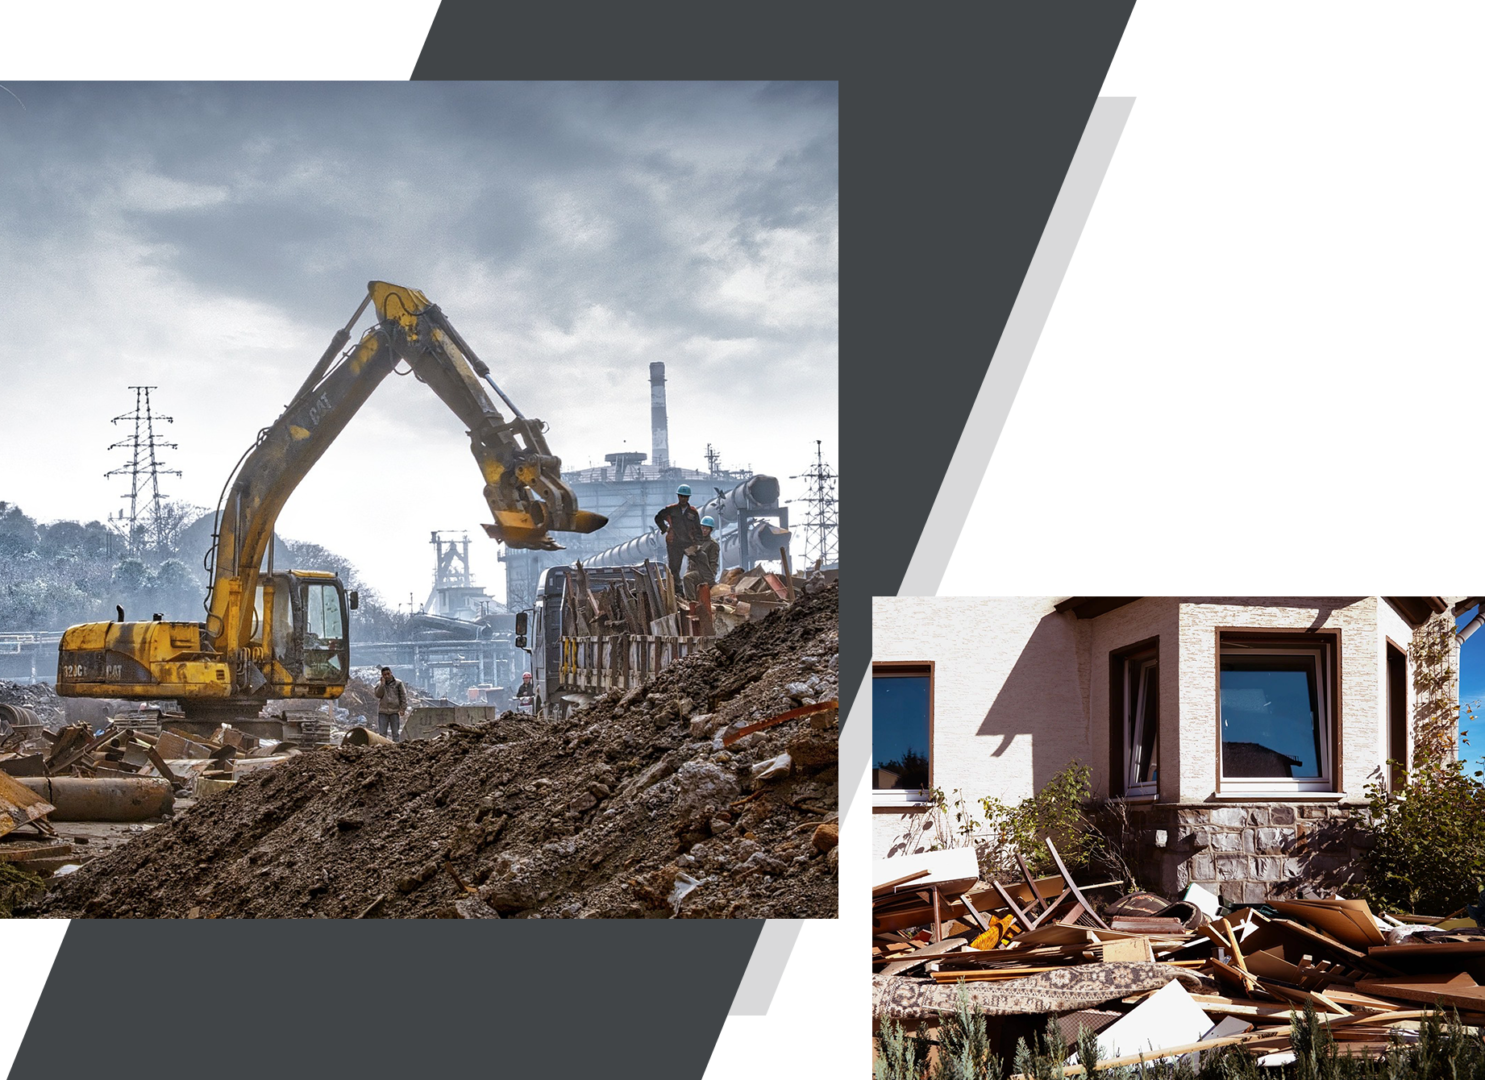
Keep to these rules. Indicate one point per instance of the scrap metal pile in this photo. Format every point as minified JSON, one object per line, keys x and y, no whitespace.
{"x":748,"y":596}
{"x":1156,"y":980}
{"x":130,"y":772}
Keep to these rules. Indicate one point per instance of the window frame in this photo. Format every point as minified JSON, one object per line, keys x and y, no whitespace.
{"x":1399,"y":748}
{"x":906,"y":668}
{"x":1136,"y":719}
{"x":1121,"y":748}
{"x":1325,"y":646}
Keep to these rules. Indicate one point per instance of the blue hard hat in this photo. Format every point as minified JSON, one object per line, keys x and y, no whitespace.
{"x":708,"y":523}
{"x":684,"y":489}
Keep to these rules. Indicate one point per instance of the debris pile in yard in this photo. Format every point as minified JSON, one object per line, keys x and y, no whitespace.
{"x":1154,"y":978}
{"x":712,"y":791}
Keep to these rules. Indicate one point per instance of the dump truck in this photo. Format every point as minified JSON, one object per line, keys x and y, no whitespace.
{"x":572,"y":668}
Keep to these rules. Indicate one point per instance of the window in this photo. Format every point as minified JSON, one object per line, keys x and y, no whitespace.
{"x":901,"y":731}
{"x":1134,"y":714}
{"x":1397,"y":717}
{"x":1277,"y":712}
{"x":324,"y":636}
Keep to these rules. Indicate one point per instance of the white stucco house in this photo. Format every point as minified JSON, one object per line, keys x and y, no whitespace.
{"x":1238,"y":733}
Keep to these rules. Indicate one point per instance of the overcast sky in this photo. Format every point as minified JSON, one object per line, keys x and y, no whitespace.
{"x":210,"y":238}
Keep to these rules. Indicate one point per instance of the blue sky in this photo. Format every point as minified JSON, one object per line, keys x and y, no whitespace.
{"x":1472,"y":689}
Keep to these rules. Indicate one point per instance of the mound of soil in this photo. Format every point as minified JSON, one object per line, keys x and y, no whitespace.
{"x":629,"y":808}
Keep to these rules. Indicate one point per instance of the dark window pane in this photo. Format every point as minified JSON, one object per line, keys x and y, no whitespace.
{"x":899,"y":731}
{"x":1270,"y":718}
{"x":1150,"y":724}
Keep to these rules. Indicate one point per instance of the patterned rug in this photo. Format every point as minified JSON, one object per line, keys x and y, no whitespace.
{"x":1081,"y":986}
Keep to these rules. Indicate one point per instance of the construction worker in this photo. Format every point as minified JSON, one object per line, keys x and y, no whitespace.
{"x":527,"y":691}
{"x":391,"y":703}
{"x":681,"y":525}
{"x":702,"y":559}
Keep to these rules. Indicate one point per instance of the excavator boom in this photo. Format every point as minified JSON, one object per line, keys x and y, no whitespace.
{"x":285,"y":636}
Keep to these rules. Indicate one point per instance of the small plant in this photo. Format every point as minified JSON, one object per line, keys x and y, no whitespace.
{"x":1056,"y":811}
{"x":964,"y":1045}
{"x":897,"y":1054}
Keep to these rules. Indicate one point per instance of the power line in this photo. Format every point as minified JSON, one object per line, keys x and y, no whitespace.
{"x":144,"y":469}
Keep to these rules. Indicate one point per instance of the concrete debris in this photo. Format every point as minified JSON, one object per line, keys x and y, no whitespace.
{"x":624,"y":808}
{"x":1155,"y":980}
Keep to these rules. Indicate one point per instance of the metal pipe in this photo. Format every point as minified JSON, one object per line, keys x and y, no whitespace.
{"x":360,"y":736}
{"x":103,"y":798}
{"x":756,"y":493}
{"x":762,"y":536}
{"x":1471,"y":626}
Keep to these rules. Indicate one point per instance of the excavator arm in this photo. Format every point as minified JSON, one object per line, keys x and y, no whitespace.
{"x":523,"y":479}
{"x":285,"y":636}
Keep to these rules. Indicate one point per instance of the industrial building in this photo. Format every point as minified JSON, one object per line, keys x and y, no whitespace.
{"x":632,"y":488}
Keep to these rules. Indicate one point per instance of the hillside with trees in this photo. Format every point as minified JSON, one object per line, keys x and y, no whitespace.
{"x":54,"y":575}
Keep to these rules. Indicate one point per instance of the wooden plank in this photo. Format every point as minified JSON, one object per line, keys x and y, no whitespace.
{"x":921,"y":955}
{"x":949,"y":864}
{"x":886,"y":887}
{"x":1458,"y":991}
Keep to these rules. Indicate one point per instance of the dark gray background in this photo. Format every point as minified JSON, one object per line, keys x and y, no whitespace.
{"x":409,"y":999}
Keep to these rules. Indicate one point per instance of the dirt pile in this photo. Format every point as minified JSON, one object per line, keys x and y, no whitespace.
{"x":631,"y":807}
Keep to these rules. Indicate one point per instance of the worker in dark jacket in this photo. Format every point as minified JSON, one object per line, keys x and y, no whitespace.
{"x":702,"y":559}
{"x":391,"y":703}
{"x":681,"y":525}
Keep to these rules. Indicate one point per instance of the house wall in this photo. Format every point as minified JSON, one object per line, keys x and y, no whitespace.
{"x":1021,"y":691}
{"x":1150,"y":616}
{"x":1363,"y":681}
{"x":1253,"y":849}
{"x":1011,"y":692}
{"x":1392,"y":625}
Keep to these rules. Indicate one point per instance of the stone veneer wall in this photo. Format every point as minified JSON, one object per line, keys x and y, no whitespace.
{"x":1245,"y":853}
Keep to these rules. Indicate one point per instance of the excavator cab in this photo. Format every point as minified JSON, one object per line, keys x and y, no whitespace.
{"x":301,"y":625}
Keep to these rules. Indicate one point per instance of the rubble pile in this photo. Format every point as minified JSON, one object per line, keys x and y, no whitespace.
{"x":40,"y":698}
{"x":1154,"y":979}
{"x":711,"y":791}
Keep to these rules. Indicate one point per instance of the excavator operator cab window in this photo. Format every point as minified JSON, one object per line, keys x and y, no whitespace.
{"x":257,"y":638}
{"x":326,"y":651}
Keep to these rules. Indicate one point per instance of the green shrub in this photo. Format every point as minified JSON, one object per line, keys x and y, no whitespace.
{"x":1429,"y":853}
{"x":1056,"y":811}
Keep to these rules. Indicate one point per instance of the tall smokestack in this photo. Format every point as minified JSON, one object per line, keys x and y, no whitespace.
{"x":659,"y":428}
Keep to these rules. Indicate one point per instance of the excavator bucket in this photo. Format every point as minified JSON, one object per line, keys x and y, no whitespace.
{"x":518,"y":530}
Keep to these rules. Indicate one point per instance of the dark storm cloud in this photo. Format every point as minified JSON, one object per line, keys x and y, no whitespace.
{"x":639,"y":197}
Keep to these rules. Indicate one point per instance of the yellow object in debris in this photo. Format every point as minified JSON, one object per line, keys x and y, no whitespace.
{"x":1455,"y":924}
{"x":1001,"y":930}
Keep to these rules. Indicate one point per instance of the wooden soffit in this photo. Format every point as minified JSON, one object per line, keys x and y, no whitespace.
{"x":1416,"y":610}
{"x":1091,"y":607}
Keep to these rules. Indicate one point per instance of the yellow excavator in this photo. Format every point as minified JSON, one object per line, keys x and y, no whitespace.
{"x":283,"y":634}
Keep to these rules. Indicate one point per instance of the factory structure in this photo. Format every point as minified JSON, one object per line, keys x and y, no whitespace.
{"x":463,"y":641}
{"x":633,"y":487}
